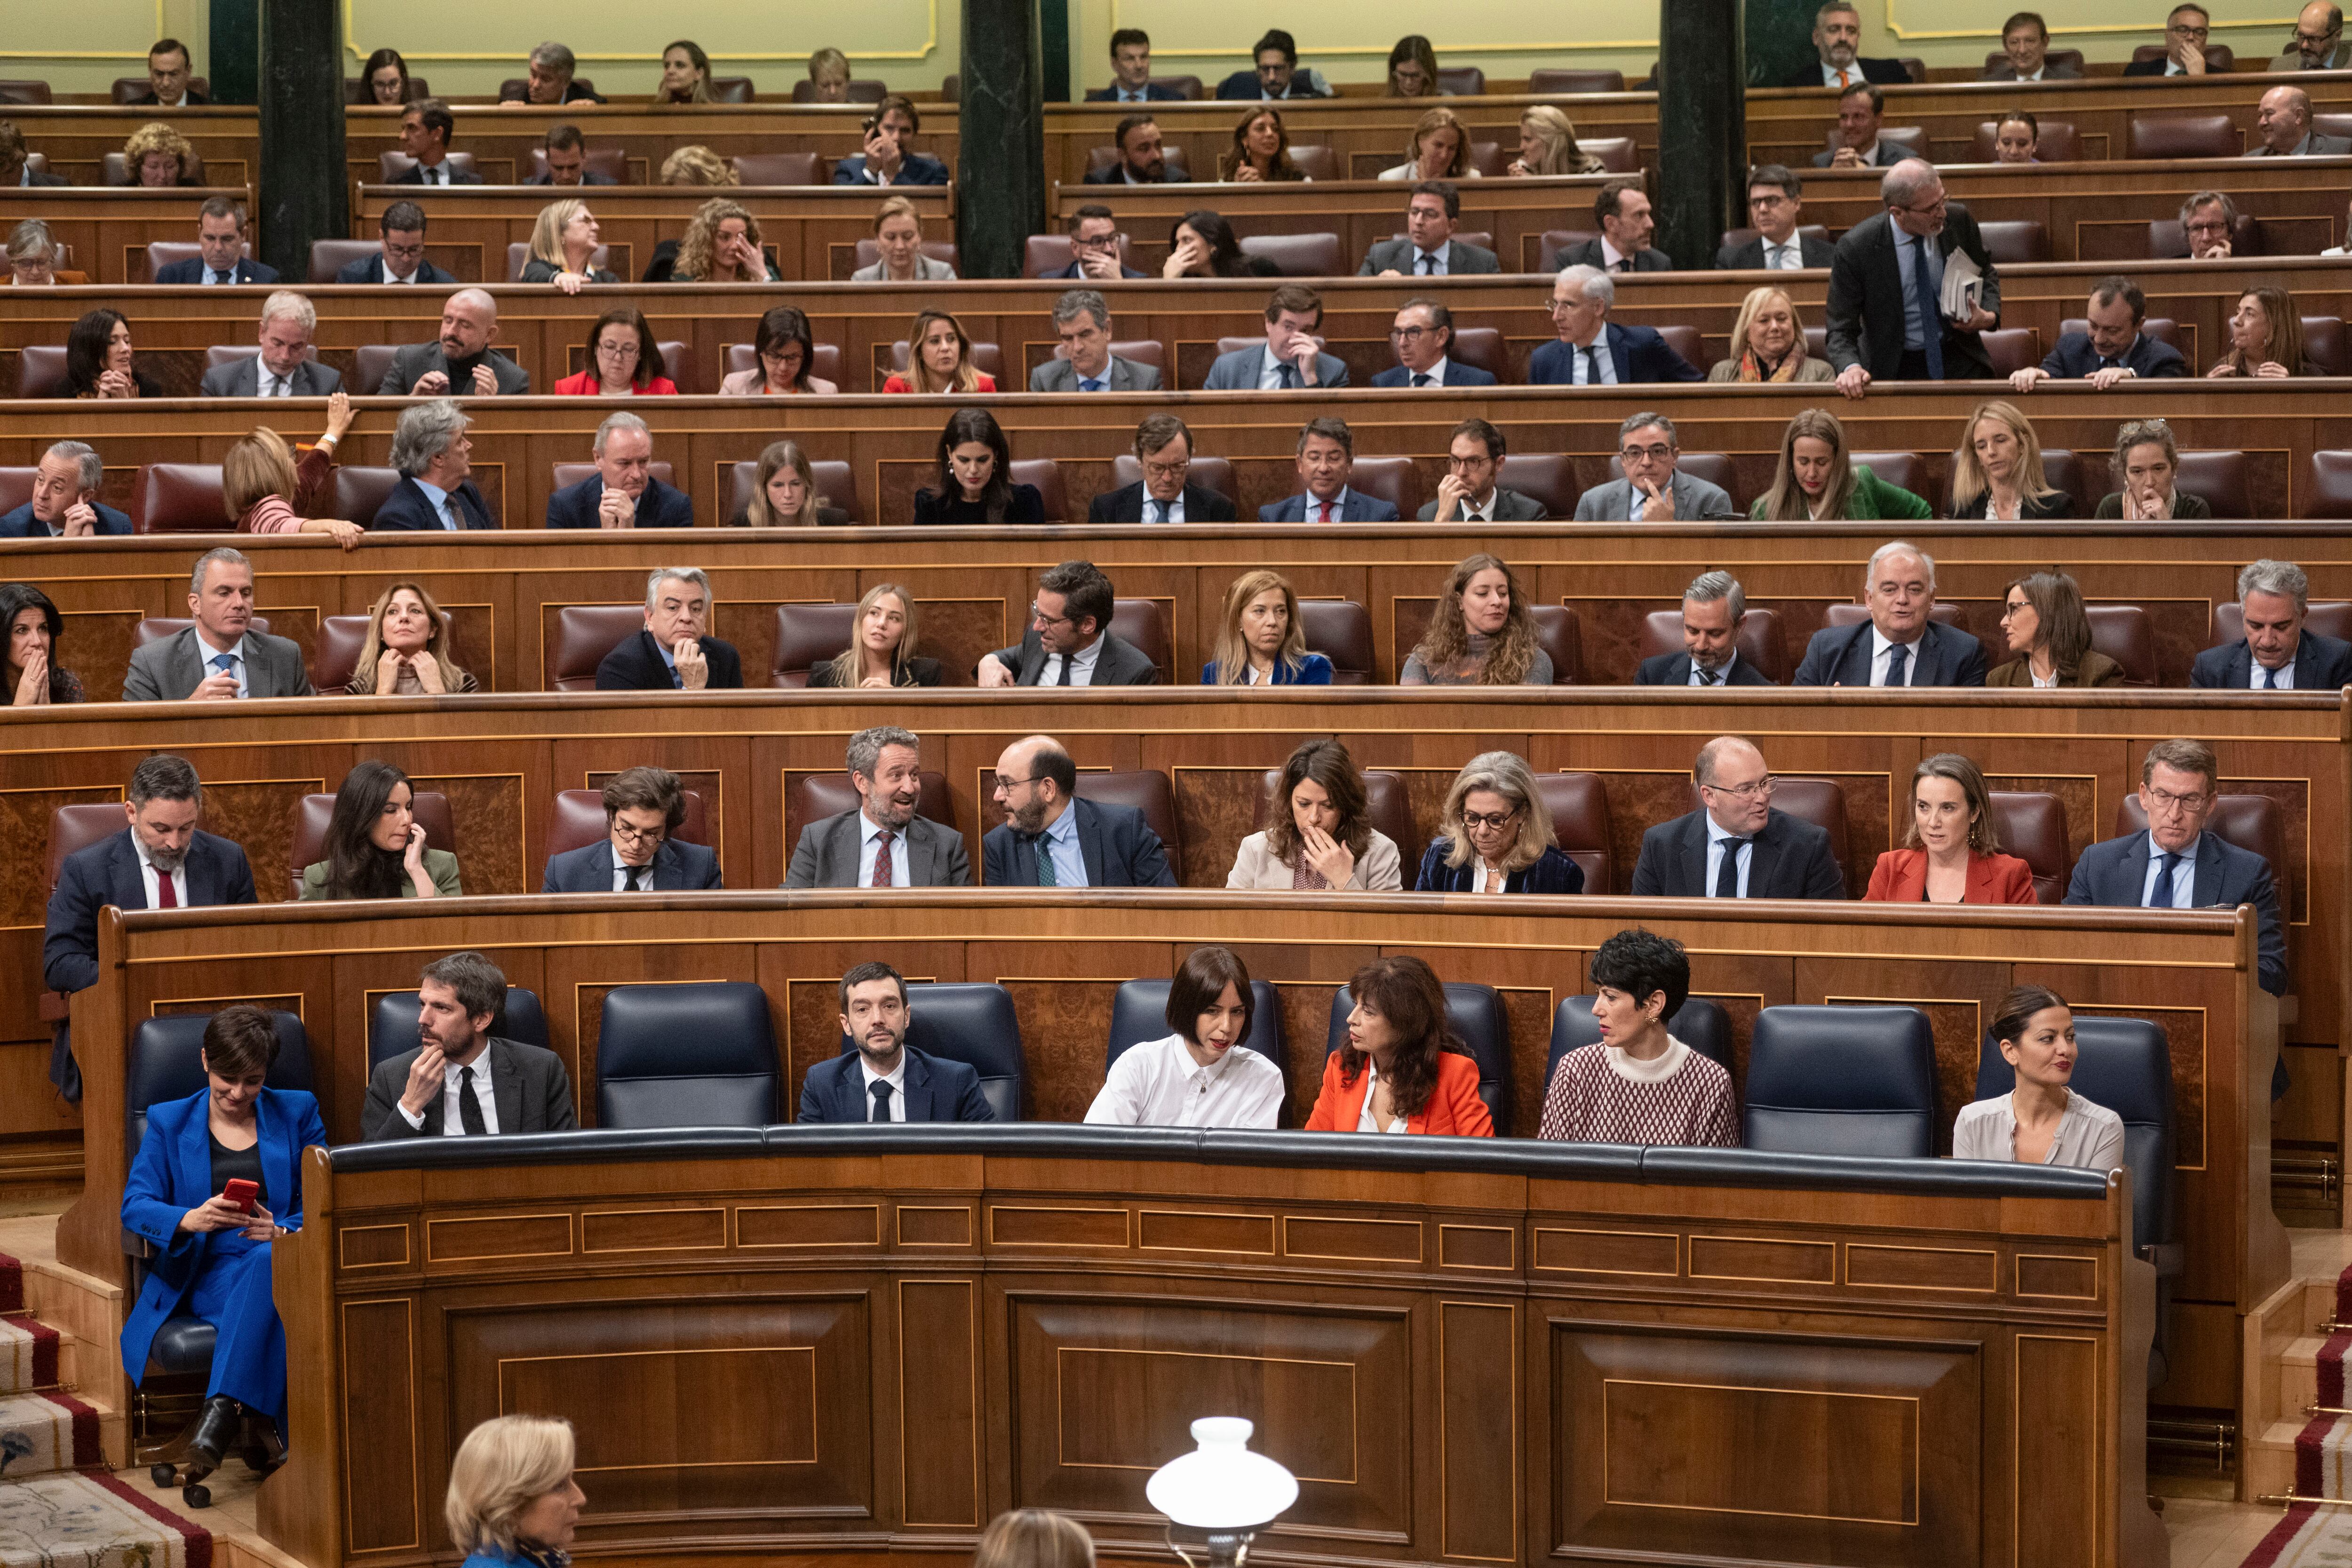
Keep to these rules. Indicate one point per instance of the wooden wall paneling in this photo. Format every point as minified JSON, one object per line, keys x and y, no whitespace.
{"x":109,"y":229}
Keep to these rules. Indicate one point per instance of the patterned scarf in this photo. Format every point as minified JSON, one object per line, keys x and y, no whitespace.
{"x":1306,"y":878}
{"x":1752,"y":369}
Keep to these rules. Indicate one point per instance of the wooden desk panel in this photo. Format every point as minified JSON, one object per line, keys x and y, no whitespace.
{"x":76,"y":138}
{"x":108,"y":230}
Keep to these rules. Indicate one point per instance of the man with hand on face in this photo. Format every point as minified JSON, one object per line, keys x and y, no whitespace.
{"x":1082,"y":319}
{"x":2184,"y":32}
{"x":1094,"y":245}
{"x":1469,"y":492}
{"x":426,"y":127}
{"x":65,"y":503}
{"x":1737,"y":845}
{"x":284,"y":367}
{"x":220,"y":245}
{"x":1775,"y":200}
{"x":459,"y":362}
{"x":623,"y":492}
{"x":1429,"y":249}
{"x":1713,"y":607}
{"x":221,"y":656}
{"x":1292,"y":355}
{"x":2112,"y":350}
{"x":2278,"y":652}
{"x":1654,"y":489}
{"x":1142,"y":157}
{"x":1069,"y":641}
{"x":673,"y":654}
{"x":1590,"y":350}
{"x":882,"y":1078}
{"x":434,"y":456}
{"x":1053,"y":838}
{"x":462,"y":1081}
{"x":1862,"y":109}
{"x":1164,"y":445}
{"x":1130,"y":72}
{"x":640,"y":852}
{"x":1885,"y":313}
{"x":1901,"y":643}
{"x":1326,"y":457}
{"x":1423,"y":340}
{"x":2208,"y":222}
{"x":887,"y":161}
{"x":1623,"y":210}
{"x":886,"y":842}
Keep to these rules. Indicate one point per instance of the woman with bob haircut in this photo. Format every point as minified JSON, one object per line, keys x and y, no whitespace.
{"x":624,"y":360}
{"x":563,"y":243}
{"x":1952,"y":853}
{"x":1818,"y":481}
{"x":406,"y":653}
{"x":2050,"y":634}
{"x":1201,"y":244}
{"x":1262,"y":642}
{"x":1548,"y":146}
{"x":1320,"y":835}
{"x":783,"y":493}
{"x":1997,"y":473}
{"x":512,"y":1500}
{"x":1400,"y":1069}
{"x":1439,"y":150}
{"x":1201,"y":1074}
{"x":899,"y":236}
{"x":2043,"y":1121}
{"x":785,"y":348}
{"x":1770,"y":337}
{"x":2146,"y":468}
{"x":260,"y":486}
{"x":1481,"y":634}
{"x":1495,"y":836}
{"x":938,"y":358}
{"x":375,"y":847}
{"x":975,"y":477}
{"x":1639,"y":1084}
{"x":100,"y":362}
{"x":1261,"y":149}
{"x":30,"y":675}
{"x":882,"y":639}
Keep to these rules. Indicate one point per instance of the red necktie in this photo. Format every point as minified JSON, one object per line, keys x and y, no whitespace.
{"x":166,"y":896}
{"x":1324,"y":507}
{"x":883,"y":876}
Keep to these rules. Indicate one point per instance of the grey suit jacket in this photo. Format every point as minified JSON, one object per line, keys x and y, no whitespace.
{"x":2052,"y":70}
{"x":826,"y":855}
{"x":2321,"y":147}
{"x":1693,"y":499}
{"x":413,"y":362}
{"x":1510,"y":506}
{"x":242,"y":378}
{"x":1400,"y":254}
{"x":528,"y":1086}
{"x":1121,"y":662}
{"x":1239,"y":371}
{"x":167,"y":671}
{"x":1125,"y":375}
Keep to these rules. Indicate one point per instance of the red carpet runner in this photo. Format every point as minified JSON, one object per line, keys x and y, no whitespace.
{"x":2314,"y":1534}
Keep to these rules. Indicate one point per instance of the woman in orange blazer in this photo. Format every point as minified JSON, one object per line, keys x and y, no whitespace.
{"x":1952,"y":854}
{"x":1399,"y":1070}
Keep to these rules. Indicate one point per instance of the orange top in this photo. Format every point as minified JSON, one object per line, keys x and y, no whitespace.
{"x":1454,"y":1105}
{"x":897,"y":382}
{"x":1901,"y":877}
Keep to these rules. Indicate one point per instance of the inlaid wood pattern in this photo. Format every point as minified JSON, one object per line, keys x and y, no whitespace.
{"x":1062,"y":1042}
{"x":487,"y":811}
{"x":25,"y":815}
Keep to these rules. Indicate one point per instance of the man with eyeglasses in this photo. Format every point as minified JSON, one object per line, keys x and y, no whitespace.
{"x":1775,"y":200}
{"x":1890,"y":317}
{"x":1592,"y":349}
{"x":1428,"y":249}
{"x":1052,"y":838}
{"x":1163,"y":446}
{"x":1422,"y":339}
{"x":1469,"y":492}
{"x":1902,"y":643}
{"x":1653,"y":489}
{"x":402,"y":259}
{"x":2186,"y":28}
{"x":1082,"y":319}
{"x":2277,"y":652}
{"x":1737,"y":845}
{"x":1094,"y":247}
{"x":640,"y":852}
{"x":1069,"y":641}
{"x":2208,"y":222}
{"x":2283,"y":121}
{"x":2318,"y":42}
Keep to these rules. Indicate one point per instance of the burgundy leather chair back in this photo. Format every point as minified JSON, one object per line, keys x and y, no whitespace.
{"x":1393,"y":479}
{"x":183,"y":498}
{"x":861,"y":91}
{"x":761,"y":169}
{"x":837,"y":481}
{"x":1462,"y":81}
{"x":1549,"y":477}
{"x":17,"y":487}
{"x":337,"y":654}
{"x":2322,"y":345}
{"x":1342,"y":631}
{"x":1387,"y":807}
{"x":1302,"y":255}
{"x":2328,"y":617}
{"x":373,"y":362}
{"x":1143,"y":623}
{"x":1045,"y":473}
{"x":1556,"y":80}
{"x":1482,"y":346}
{"x":41,"y":370}
{"x":2251,"y":822}
{"x":2219,"y":477}
{"x":986,"y":358}
{"x":310,"y":819}
{"x":2032,"y":826}
{"x":1685,"y":340}
{"x":1045,"y":253}
{"x":73,"y":828}
{"x":1147,"y":790}
{"x":612,"y":163}
{"x":1555,"y":241}
{"x":360,"y":492}
{"x":585,"y":634}
{"x":1579,"y":824}
{"x":1901,"y":470}
{"x":2013,"y":242}
{"x":806,"y":636}
{"x":1316,"y":160}
{"x":1820,"y":801}
{"x":578,"y":820}
{"x":2125,"y":634}
{"x":569,"y":474}
{"x":390,"y":166}
{"x":821,"y":795}
{"x":1143,"y":351}
{"x":2012,"y":349}
{"x":163,"y":253}
{"x":1759,"y":640}
{"x":1617,"y":154}
{"x":330,"y":256}
{"x":2055,"y":141}
{"x":2184,"y":136}
{"x":29,"y":93}
{"x":2326,"y":486}
{"x":1489,"y":159}
{"x":1561,"y":634}
{"x":1855,"y":614}
{"x":155,"y":629}
{"x":1208,"y":473}
{"x":868,"y":252}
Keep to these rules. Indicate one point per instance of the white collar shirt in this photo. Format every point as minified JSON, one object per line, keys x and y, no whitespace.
{"x":1698,"y":674}
{"x":869,"y":839}
{"x":149,"y":875}
{"x":1784,"y":256}
{"x":1167,"y":510}
{"x":644,"y":872}
{"x":452,"y":1110}
{"x":1431,"y":263}
{"x":1585,"y":358}
{"x":1364,"y":1120}
{"x":1081,"y":666}
{"x":1882,"y":655}
{"x":2281,"y":680}
{"x":896,"y":1078}
{"x":1435,"y":373}
{"x":2183,"y":893}
{"x":1158,"y":1084}
{"x":1338,"y":505}
{"x":1717,"y":841}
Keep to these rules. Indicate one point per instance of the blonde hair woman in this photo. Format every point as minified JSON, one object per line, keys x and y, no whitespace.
{"x":1769,"y":342}
{"x":562,"y":246}
{"x":512,"y":1501}
{"x":259,"y":485}
{"x":1481,"y":635}
{"x":881,"y":651}
{"x":783,"y":493}
{"x":938,"y":358}
{"x":1262,"y":642}
{"x":1034,"y":1537}
{"x":1997,"y":473}
{"x":722,"y":245}
{"x":697,"y":166}
{"x":1548,"y":146}
{"x":898,"y":236}
{"x":406,"y":653}
{"x":1495,"y":836}
{"x":1439,"y":150}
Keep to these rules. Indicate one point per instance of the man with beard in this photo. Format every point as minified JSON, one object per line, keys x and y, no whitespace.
{"x":158,"y":861}
{"x":884,"y":1079}
{"x":1051,"y":838}
{"x":462,"y":1081}
{"x":459,"y":363}
{"x":640,"y":852}
{"x":886,"y":842}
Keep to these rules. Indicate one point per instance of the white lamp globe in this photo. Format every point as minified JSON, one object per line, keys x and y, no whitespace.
{"x":1222,"y":1485}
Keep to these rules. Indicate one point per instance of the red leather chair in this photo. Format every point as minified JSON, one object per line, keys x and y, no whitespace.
{"x":1489,"y":159}
{"x":1316,"y":160}
{"x":2220,"y":476}
{"x":2056,"y":141}
{"x":310,"y":819}
{"x":29,"y":93}
{"x":612,"y":163}
{"x":824,"y":362}
{"x":390,"y":166}
{"x":1482,"y":346}
{"x":585,"y":634}
{"x":1342,"y":631}
{"x":1560,"y":632}
{"x":330,"y":256}
{"x":360,"y":492}
{"x":1556,"y":80}
{"x":2184,"y":136}
{"x":518,"y":257}
{"x":868,"y":253}
{"x":2328,"y":617}
{"x":2322,"y":345}
{"x":41,"y":370}
{"x":578,"y":820}
{"x":1760,"y":639}
{"x":2326,"y":486}
{"x":337,"y":655}
{"x":2012,"y":349}
{"x":861,"y":91}
{"x":1462,"y":81}
{"x":1046,"y":475}
{"x":163,"y":253}
{"x":1820,"y":801}
{"x":1616,"y":154}
{"x":986,"y":358}
{"x":1549,"y":477}
{"x":2251,"y":822}
{"x":820,"y":795}
{"x":17,"y":487}
{"x":1147,"y":790}
{"x":1393,"y":479}
{"x":835,"y":481}
{"x":569,"y":474}
{"x":763,"y":169}
{"x":73,"y":828}
{"x":183,"y":498}
{"x":1145,"y":624}
{"x":1387,"y":807}
{"x":114,"y":169}
{"x":1209,"y":473}
{"x":1046,"y":253}
{"x":1580,"y":825}
{"x":806,"y":636}
{"x":2032,"y":826}
{"x":1301,"y":254}
{"x":2125,"y":634}
{"x":2013,"y":242}
{"x":1101,"y":158}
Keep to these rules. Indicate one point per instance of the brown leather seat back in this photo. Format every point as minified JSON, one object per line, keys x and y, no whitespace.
{"x":330,"y":256}
{"x":585,"y":634}
{"x":1342,"y":631}
{"x":1147,"y":790}
{"x":41,"y":370}
{"x":1555,"y":79}
{"x":1548,"y":477}
{"x":1393,"y":479}
{"x":1685,"y":340}
{"x":2184,"y":136}
{"x":183,"y":498}
{"x":1144,"y":622}
{"x":2220,"y":478}
{"x":316,"y":811}
{"x":337,"y":653}
{"x":1901,"y":470}
{"x":806,"y":636}
{"x":1206,"y":473}
{"x":1480,"y":346}
{"x":2328,"y":617}
{"x":73,"y":828}
{"x":1579,"y":824}
{"x":1559,"y":633}
{"x":2327,"y":486}
{"x":360,"y":492}
{"x":578,"y":819}
{"x":1616,"y":154}
{"x":760,"y":169}
{"x":820,"y":795}
{"x":2251,"y":822}
{"x":2322,"y":345}
{"x":1301,"y":254}
{"x":1045,"y":473}
{"x":2032,"y":826}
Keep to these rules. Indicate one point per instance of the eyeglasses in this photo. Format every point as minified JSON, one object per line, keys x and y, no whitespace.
{"x":1409,"y":334}
{"x":2314,"y":40}
{"x":622,"y":831}
{"x":622,"y":350}
{"x":1555,"y":304}
{"x":1924,"y":208}
{"x":1167,"y":470}
{"x":1760,"y":789}
{"x":2183,"y":30}
{"x":1043,"y":619}
{"x":1771,"y":199}
{"x":1100,"y":242}
{"x":1493,"y":821}
{"x":2166,"y":801}
{"x":1655,"y":454}
{"x":1003,"y":784}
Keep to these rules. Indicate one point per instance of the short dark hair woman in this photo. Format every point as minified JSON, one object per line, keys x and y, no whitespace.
{"x":785,"y":348}
{"x":2049,"y":634}
{"x":1400,"y":1069}
{"x":1320,"y":833}
{"x":1640,"y":1085}
{"x":1201,"y":1074}
{"x":883,"y":636}
{"x":975,"y":476}
{"x":32,"y":677}
{"x":624,"y":360}
{"x":2043,"y":1121}
{"x":1495,"y":836}
{"x":99,"y":361}
{"x":375,"y":847}
{"x":1481,"y":633}
{"x":1951,"y":855}
{"x":1201,"y":244}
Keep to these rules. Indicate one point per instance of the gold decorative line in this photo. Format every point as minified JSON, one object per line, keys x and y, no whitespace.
{"x":1419,"y":1243}
{"x":1850,"y":1247}
{"x":415,"y":1464}
{"x":1264,"y":1219}
{"x":493,"y":1219}
{"x":902,"y":1210}
{"x":587,"y":1214}
{"x":874,"y":1209}
{"x":1666,"y":1236}
{"x":344,"y":1235}
{"x":1061,"y":1438}
{"x":2024,"y":1257}
{"x":2017,"y":1435}
{"x":1509,"y":1236}
{"x":1444,"y":1453}
{"x":156,"y":1003}
{"x":1830,"y":1248}
{"x":1125,"y":1225}
{"x":1608,"y":1384}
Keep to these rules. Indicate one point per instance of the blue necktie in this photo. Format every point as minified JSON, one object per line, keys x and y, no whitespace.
{"x":1898,"y":659}
{"x":224,"y":662}
{"x":1727,"y":876}
{"x":2269,"y":679}
{"x":1931,"y":318}
{"x":2159,"y":897}
{"x":1423,"y":378}
{"x":1090,"y":383}
{"x":1160,"y":507}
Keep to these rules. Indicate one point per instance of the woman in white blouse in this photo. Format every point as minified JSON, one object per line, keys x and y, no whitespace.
{"x":1201,"y":1074}
{"x":2041,"y":1121}
{"x":1322,"y":836}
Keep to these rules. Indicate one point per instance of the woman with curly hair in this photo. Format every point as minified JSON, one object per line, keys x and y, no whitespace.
{"x":406,"y":653}
{"x":722,"y":245}
{"x":1320,"y":833}
{"x":697,"y":166}
{"x":1261,"y":149}
{"x":1439,"y":150}
{"x":1401,"y":1069}
{"x":1481,"y":634}
{"x":159,"y":157}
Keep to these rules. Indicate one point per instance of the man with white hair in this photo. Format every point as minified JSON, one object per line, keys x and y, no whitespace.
{"x":1901,"y":643}
{"x":284,"y":367}
{"x":65,"y":503}
{"x":1592,"y":349}
{"x":623,"y":492}
{"x":1888,"y":319}
{"x":2278,"y":652}
{"x":676,"y":651}
{"x":459,"y":362}
{"x":430,"y":449}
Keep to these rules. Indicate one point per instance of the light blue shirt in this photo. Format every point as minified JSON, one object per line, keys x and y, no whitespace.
{"x":2184,"y":876}
{"x":1430,"y":263}
{"x":440,"y":499}
{"x":1716,"y":838}
{"x":1061,"y":843}
{"x":669,"y":659}
{"x":868,"y":843}
{"x":211,"y":658}
{"x":1914,"y":330}
{"x":1587,"y":359}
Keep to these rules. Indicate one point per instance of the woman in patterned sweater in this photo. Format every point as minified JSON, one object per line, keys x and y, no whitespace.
{"x":1640,"y":1085}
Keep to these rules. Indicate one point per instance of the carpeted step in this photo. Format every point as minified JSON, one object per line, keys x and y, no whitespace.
{"x":12,"y":1284}
{"x":94,"y":1520}
{"x":45,"y":1432}
{"x":28,"y":1354}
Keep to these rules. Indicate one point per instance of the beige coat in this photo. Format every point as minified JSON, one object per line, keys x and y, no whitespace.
{"x":1377,"y":869}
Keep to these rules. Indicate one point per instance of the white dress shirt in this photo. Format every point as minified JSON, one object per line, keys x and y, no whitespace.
{"x":212,"y":276}
{"x":149,"y":876}
{"x":453,"y":1114}
{"x":1477,"y":510}
{"x":1583,"y":358}
{"x":1269,"y":374}
{"x":1698,"y":674}
{"x":2282,"y":679}
{"x":1158,"y":1084}
{"x":896,"y":1078}
{"x":1784,"y":258}
{"x":1081,"y":666}
{"x":434,"y":174}
{"x":644,"y":874}
{"x":2184,"y":876}
{"x":209,"y":654}
{"x":1437,"y":374}
{"x":268,"y":383}
{"x":1364,"y":1120}
{"x":1882,"y":655}
{"x":1337,"y":503}
{"x":1430,"y":263}
{"x":869,"y":842}
{"x":1611,"y":255}
{"x":1716,"y":838}
{"x":409,"y":276}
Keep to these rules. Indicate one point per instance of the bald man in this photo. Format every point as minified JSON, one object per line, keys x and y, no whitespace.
{"x":2283,"y":124}
{"x":1051,"y":838}
{"x":2318,"y":42}
{"x":1737,"y":845}
{"x":459,"y":363}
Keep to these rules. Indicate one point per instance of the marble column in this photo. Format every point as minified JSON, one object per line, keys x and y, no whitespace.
{"x":1000,"y":168}
{"x":303,"y":184}
{"x":1702,"y":128}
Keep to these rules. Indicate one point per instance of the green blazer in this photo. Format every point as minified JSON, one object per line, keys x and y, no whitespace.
{"x":439,"y":864}
{"x":1873,"y":498}
{"x":2096,"y":670}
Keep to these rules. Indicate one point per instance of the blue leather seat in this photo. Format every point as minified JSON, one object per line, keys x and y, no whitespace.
{"x":1841,"y":1081}
{"x":166,"y":1063}
{"x":1699,"y":1022}
{"x":1139,"y":1013}
{"x":972,"y":1023}
{"x":687,"y":1055}
{"x":392,"y":1028}
{"x":1475,"y":1012}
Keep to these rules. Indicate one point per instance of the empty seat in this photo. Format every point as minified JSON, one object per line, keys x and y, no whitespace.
{"x":1615,"y":155}
{"x":373,"y":362}
{"x":1547,"y":477}
{"x":358,"y":491}
{"x":1699,"y":1022}
{"x":1554,"y":241}
{"x":1394,"y":480}
{"x":2014,"y":241}
{"x":578,"y":821}
{"x":701,"y":1055}
{"x":330,"y":256}
{"x":820,"y":795}
{"x":25,"y":92}
{"x":2012,"y":349}
{"x":2251,"y":822}
{"x":806,"y":636}
{"x":2125,"y":633}
{"x":1045,"y":473}
{"x":585,"y":634}
{"x":1316,"y":160}
{"x":183,"y":498}
{"x":1480,"y":346}
{"x":612,"y":163}
{"x":2184,"y":136}
{"x":1561,"y":634}
{"x":1144,"y":622}
{"x":1857,"y":1082}
{"x":2327,"y":486}
{"x":2032,"y":826}
{"x":869,"y":254}
{"x":1208,"y":473}
{"x":1301,"y":254}
{"x":1387,"y":808}
{"x":1147,"y":790}
{"x":2322,"y":345}
{"x":393,"y":1023}
{"x":314,"y":812}
{"x":1342,"y":631}
{"x":974,"y":1024}
{"x":2055,"y":141}
{"x":1139,"y":1013}
{"x":337,"y":652}
{"x":1902,"y":469}
{"x":1474,"y":1014}
{"x":41,"y":370}
{"x":1579,"y":806}
{"x":1462,"y":81}
{"x":1554,"y":78}
{"x":1758,"y":640}
{"x":2219,"y":478}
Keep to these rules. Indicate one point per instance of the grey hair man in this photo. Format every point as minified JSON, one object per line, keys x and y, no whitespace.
{"x":65,"y":503}
{"x":1590,"y":350}
{"x":434,"y":493}
{"x":1890,"y":315}
{"x":624,"y":492}
{"x":1901,"y":643}
{"x":676,"y":651}
{"x":2276,"y":652}
{"x":1714,"y":609}
{"x":1651,"y":486}
{"x":552,"y":69}
{"x":885,"y":841}
{"x":284,"y":366}
{"x":1084,"y":363}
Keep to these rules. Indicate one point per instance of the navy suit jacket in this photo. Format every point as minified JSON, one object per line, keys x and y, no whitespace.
{"x":914,"y":169}
{"x":937,"y":1090}
{"x":1791,"y":858}
{"x":1456,"y":375}
{"x":415,"y":175}
{"x":2074,"y":358}
{"x":2321,"y":664}
{"x":406,"y":509}
{"x":1673,"y":670}
{"x":1074,"y":270}
{"x":193,"y":270}
{"x":660,"y":506}
{"x":20,"y":523}
{"x":1355,"y":506}
{"x":1641,"y":354}
{"x":1840,"y":656}
{"x":1121,"y":850}
{"x":1125,"y":504}
{"x":636,"y":665}
{"x":2113,"y":875}
{"x":369,"y":270}
{"x":1154,"y":92}
{"x":679,"y":868}
{"x":1550,"y":872}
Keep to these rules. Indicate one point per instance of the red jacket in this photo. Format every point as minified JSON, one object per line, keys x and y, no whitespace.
{"x":1900,"y":877}
{"x":1454,"y":1105}
{"x":584,"y":383}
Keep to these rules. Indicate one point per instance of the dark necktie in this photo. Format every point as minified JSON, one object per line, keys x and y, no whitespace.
{"x":1428,"y":265}
{"x":1289,"y":376}
{"x":2107,"y":364}
{"x":2269,"y":679}
{"x":1898,"y":659}
{"x":885,"y":876}
{"x":167,"y":897}
{"x":1931,"y":317}
{"x":1710,"y":677}
{"x":1066,"y":662}
{"x":1727,"y":876}
{"x":469,"y":1109}
{"x":881,"y":1093}
{"x":634,"y":884}
{"x":1043,"y":851}
{"x":1155,"y":512}
{"x":1625,"y":264}
{"x":1423,"y":378}
{"x":220,"y":277}
{"x":2159,"y":897}
{"x":1592,"y":365}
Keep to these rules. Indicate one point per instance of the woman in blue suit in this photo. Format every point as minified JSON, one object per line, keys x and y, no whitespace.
{"x":1263,"y":643}
{"x":212,"y":1258}
{"x":1495,"y":836}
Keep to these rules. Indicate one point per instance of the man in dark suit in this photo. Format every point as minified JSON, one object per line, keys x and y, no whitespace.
{"x":1292,"y":355}
{"x":886,"y":842}
{"x":1429,"y":249}
{"x":1888,"y":320}
{"x":1142,"y":156}
{"x":434,"y":458}
{"x":1837,"y":45}
{"x":1776,"y":201}
{"x":1276,"y":73}
{"x":2278,"y":652}
{"x":1862,"y":110}
{"x":1069,"y":641}
{"x":1327,"y":458}
{"x":2186,"y":28}
{"x":220,"y":239}
{"x":221,"y":656}
{"x":1623,"y":210}
{"x":884,"y":1079}
{"x":1590,"y":350}
{"x":1423,"y":340}
{"x":459,"y":362}
{"x":1094,"y":247}
{"x":1900,"y":644}
{"x":158,"y":861}
{"x":623,"y":492}
{"x":1736,"y":846}
{"x":550,"y":78}
{"x":1164,"y":445}
{"x":2112,"y":350}
{"x":1468,"y":493}
{"x":566,"y":151}
{"x":640,"y":852}
{"x":2025,"y":54}
{"x":1713,"y":607}
{"x":170,"y":77}
{"x":1051,"y":838}
{"x":16,"y":172}
{"x":65,"y":503}
{"x":2283,"y":121}
{"x":402,"y":259}
{"x":674,"y":653}
{"x":284,"y":367}
{"x":462,"y":1081}
{"x":426,"y":127}
{"x":886,"y":160}
{"x":1130,"y":72}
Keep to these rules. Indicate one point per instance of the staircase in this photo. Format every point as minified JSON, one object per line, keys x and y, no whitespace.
{"x":2298,"y":1365}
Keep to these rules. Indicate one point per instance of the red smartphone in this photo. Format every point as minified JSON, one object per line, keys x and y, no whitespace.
{"x":242,"y":1194}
